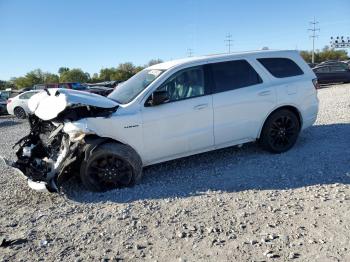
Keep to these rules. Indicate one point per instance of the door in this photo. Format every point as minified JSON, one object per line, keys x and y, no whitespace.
{"x":340,"y":73}
{"x":323,"y":74}
{"x":241,"y":100}
{"x":23,"y":100}
{"x":183,"y":124}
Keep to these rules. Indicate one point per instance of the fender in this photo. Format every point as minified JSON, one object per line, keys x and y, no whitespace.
{"x":292,"y":107}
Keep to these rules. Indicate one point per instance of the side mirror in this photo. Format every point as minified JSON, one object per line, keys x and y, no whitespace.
{"x":159,"y":97}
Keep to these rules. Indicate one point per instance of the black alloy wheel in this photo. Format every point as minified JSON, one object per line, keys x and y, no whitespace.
{"x":280,"y":131}
{"x":109,"y":166}
{"x":109,"y":171}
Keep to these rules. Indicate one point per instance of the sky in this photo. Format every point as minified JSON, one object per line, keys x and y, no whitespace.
{"x":95,"y":34}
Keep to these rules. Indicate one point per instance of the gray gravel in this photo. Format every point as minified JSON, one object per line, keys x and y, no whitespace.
{"x":235,"y":204}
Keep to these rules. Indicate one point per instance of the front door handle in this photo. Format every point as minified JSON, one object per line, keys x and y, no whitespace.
{"x":265,"y":93}
{"x":200,"y":107}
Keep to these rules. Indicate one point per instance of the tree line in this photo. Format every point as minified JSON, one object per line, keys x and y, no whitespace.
{"x":120,"y":73}
{"x":325,"y":54}
{"x":126,"y":70}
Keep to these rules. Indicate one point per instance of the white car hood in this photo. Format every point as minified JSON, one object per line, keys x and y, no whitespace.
{"x":48,"y":104}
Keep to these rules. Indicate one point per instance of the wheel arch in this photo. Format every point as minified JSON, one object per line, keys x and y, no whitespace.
{"x":291,"y":108}
{"x":19,"y":107}
{"x":94,"y":141}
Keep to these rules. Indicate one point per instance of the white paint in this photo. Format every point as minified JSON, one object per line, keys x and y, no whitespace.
{"x":38,"y":186}
{"x":48,"y":106}
{"x":20,"y":100}
{"x":179,"y":129}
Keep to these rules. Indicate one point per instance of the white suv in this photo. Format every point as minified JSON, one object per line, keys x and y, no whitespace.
{"x":167,"y":111}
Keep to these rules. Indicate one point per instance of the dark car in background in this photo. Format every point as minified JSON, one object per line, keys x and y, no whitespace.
{"x":3,"y":103}
{"x":75,"y":86}
{"x":312,"y":65}
{"x":99,"y":89}
{"x":332,"y":73}
{"x":333,"y":63}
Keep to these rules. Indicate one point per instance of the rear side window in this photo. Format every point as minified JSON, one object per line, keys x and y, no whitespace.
{"x":233,"y":74}
{"x":337,"y":69}
{"x":27,"y":95}
{"x":281,"y":67}
{"x":324,"y":69}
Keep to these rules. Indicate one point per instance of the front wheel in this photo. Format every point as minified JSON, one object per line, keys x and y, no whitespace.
{"x":111,"y":166}
{"x":20,"y":113}
{"x":280,"y":131}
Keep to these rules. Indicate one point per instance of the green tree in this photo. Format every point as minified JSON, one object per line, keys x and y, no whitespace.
{"x":6,"y":84}
{"x":61,"y":70}
{"x":325,"y":54}
{"x":31,"y":78}
{"x":74,"y":75}
{"x":94,"y":78}
{"x":154,"y":62}
{"x":124,"y":72}
{"x":106,"y":74}
{"x":50,"y":78}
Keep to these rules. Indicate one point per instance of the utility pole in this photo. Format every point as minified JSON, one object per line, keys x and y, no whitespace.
{"x":189,"y":52}
{"x":313,"y":36}
{"x":229,"y":42}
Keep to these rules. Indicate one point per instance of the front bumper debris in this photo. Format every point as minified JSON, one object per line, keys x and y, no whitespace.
{"x":45,"y":155}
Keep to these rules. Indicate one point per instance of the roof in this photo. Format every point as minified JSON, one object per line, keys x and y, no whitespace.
{"x":189,"y":60}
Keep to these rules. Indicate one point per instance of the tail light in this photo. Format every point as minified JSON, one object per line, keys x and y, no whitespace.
{"x":8,"y":101}
{"x":316,"y":84}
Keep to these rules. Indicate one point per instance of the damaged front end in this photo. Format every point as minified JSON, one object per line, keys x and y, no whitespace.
{"x":52,"y":149}
{"x":44,"y":154}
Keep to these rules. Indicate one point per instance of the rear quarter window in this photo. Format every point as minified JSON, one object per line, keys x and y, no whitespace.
{"x":281,"y":67}
{"x":233,"y":75}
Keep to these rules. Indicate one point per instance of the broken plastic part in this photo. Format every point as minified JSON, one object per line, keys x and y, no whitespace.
{"x":38,"y":186}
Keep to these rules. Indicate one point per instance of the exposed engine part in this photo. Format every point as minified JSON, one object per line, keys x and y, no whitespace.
{"x":43,"y":154}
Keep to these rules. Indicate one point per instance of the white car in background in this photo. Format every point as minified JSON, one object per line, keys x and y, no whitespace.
{"x":167,"y":111}
{"x":18,"y":105}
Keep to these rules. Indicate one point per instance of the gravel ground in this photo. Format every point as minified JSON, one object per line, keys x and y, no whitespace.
{"x":235,"y":204}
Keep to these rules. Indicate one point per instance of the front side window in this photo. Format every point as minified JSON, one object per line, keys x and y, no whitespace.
{"x":130,"y":89}
{"x":281,"y":67}
{"x":233,"y":74}
{"x":324,"y":69}
{"x":185,"y":84}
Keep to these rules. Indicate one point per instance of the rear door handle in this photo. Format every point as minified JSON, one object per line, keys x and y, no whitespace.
{"x":265,"y":93}
{"x":201,"y":106}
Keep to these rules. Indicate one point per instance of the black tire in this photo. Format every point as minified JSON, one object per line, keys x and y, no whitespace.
{"x":20,"y":113}
{"x":280,"y":131}
{"x":111,"y":166}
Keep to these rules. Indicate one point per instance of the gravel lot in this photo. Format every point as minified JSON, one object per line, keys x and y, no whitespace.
{"x":235,"y":204}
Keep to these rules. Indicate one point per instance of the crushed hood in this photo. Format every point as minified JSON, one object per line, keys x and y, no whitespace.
{"x":49,"y":103}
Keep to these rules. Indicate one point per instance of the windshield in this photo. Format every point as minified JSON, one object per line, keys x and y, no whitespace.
{"x":127,"y":91}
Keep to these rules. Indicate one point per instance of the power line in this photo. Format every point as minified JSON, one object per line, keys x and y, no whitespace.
{"x":189,"y":52}
{"x":313,"y":36}
{"x":229,"y":42}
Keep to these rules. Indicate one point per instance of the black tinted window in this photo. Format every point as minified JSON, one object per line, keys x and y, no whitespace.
{"x":337,"y":69}
{"x":281,"y":67}
{"x":234,"y":74}
{"x":324,"y":69}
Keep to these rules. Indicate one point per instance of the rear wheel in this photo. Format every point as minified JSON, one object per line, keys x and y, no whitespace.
{"x":280,"y":131}
{"x":111,"y":166}
{"x":20,"y":113}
